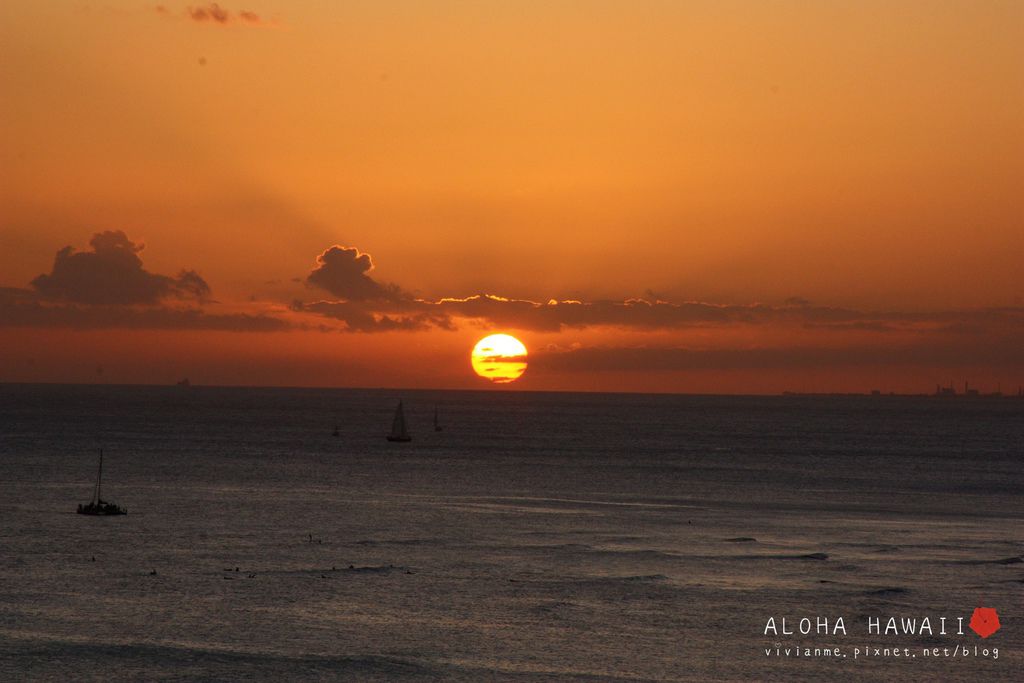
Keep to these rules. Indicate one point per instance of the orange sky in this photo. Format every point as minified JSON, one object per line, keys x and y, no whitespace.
{"x":856,"y":169}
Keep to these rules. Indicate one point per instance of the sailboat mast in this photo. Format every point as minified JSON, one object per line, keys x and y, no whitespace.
{"x":398,"y":428}
{"x":99,"y":477}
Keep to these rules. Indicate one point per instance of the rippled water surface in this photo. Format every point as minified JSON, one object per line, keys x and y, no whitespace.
{"x":537,"y":537}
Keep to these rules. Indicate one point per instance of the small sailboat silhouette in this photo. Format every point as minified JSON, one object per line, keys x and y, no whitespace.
{"x":98,"y":506}
{"x":437,"y":423}
{"x":398,"y":430}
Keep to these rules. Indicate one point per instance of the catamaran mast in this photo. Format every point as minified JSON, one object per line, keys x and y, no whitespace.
{"x":99,"y":477}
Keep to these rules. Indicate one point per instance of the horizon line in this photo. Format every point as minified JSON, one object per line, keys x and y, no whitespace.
{"x":783,"y":393}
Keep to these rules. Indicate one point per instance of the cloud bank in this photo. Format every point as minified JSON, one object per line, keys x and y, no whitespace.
{"x":999,"y":351}
{"x":368,"y":305}
{"x":23,"y":308}
{"x":108,"y":287}
{"x":112,"y":273}
{"x":819,"y":336}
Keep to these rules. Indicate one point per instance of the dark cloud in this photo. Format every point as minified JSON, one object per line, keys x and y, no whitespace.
{"x":342,"y":271}
{"x":213,"y":13}
{"x":112,"y":274}
{"x":858,"y":325}
{"x":553,"y":316}
{"x":108,"y":288}
{"x":25,"y":308}
{"x":639,"y":314}
{"x":996,"y":351}
{"x":633,"y":313}
{"x":370,"y":306}
{"x":209,"y":12}
{"x":358,"y":318}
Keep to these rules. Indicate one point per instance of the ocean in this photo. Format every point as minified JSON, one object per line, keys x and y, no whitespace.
{"x":539,"y":536}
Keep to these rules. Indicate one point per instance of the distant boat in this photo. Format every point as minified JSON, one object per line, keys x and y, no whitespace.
{"x":184,"y":383}
{"x":437,"y":423}
{"x":398,"y":430}
{"x":336,"y":432}
{"x":98,"y":506}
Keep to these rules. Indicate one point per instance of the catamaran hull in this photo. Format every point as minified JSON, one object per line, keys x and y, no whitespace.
{"x":400,"y":439}
{"x":104,"y":510}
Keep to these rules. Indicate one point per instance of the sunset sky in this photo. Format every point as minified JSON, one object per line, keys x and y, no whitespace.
{"x":735,"y":197}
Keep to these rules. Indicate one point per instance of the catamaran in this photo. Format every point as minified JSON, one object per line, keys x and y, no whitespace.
{"x":437,"y":423}
{"x":398,"y":430}
{"x":98,"y":506}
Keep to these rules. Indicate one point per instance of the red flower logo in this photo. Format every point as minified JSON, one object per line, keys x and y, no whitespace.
{"x":984,"y":621}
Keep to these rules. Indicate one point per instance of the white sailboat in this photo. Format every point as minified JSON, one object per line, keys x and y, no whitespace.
{"x":398,"y":430}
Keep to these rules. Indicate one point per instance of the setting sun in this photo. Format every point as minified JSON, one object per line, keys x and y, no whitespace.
{"x":500,"y":358}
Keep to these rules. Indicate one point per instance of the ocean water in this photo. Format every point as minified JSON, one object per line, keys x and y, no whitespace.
{"x":537,"y":537}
